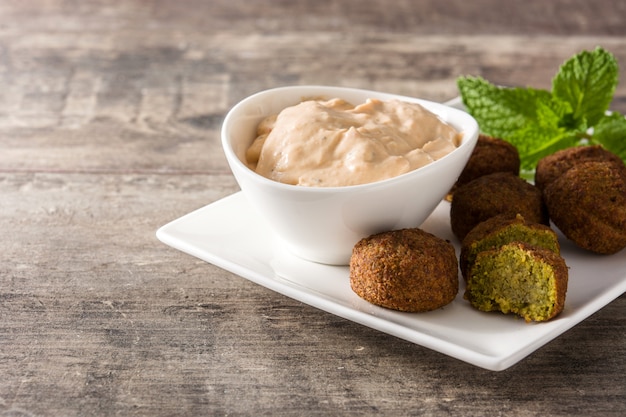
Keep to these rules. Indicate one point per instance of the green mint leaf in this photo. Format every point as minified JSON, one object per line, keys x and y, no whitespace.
{"x":500,"y":111}
{"x":553,"y":113}
{"x":610,"y":132}
{"x":587,"y":81}
{"x":530,"y":119}
{"x":535,"y":140}
{"x":540,"y":122}
{"x":545,"y":134}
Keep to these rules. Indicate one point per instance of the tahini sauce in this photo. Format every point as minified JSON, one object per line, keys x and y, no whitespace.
{"x":328,"y":143}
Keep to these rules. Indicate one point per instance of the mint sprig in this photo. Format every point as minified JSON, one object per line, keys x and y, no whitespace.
{"x":540,"y":122}
{"x":587,"y":82}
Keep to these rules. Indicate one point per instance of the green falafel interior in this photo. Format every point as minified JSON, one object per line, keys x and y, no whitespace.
{"x":519,"y":279}
{"x":497,"y":232}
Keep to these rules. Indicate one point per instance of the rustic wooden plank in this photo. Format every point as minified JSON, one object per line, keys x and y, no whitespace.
{"x":454,"y":17}
{"x":81,"y":116}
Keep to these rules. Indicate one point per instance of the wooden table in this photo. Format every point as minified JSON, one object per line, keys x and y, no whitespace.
{"x":110,"y":115}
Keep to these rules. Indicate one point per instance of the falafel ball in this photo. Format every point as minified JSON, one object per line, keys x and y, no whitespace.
{"x":588,"y":204}
{"x":492,"y":195}
{"x":490,"y":155}
{"x":553,"y":166}
{"x":407,"y":270}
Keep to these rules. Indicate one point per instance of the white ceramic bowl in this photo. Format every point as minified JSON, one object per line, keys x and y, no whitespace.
{"x":323,"y":224}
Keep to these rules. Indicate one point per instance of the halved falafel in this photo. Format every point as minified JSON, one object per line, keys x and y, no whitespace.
{"x":518,"y":278}
{"x":500,"y":230}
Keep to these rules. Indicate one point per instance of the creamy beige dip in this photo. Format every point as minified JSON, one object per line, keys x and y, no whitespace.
{"x":327,"y":143}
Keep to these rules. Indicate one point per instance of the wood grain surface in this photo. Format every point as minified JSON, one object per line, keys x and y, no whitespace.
{"x":109,"y":128}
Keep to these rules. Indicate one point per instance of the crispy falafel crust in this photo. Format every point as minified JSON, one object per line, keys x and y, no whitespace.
{"x":553,"y":166}
{"x":492,"y":195}
{"x":490,"y":155}
{"x":407,"y":270}
{"x":588,"y":204}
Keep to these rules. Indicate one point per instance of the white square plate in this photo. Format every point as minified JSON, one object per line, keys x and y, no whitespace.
{"x":229,"y":234}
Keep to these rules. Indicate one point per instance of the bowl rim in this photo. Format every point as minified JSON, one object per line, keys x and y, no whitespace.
{"x":469,"y":138}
